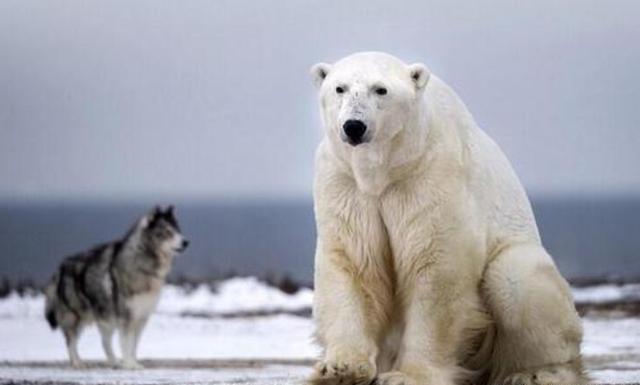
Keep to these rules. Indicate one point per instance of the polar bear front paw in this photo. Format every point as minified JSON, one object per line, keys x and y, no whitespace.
{"x":396,"y":378}
{"x":333,"y":372}
{"x":553,"y":374}
{"x":520,"y":379}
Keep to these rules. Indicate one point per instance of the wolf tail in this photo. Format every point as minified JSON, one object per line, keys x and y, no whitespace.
{"x":51,"y":300}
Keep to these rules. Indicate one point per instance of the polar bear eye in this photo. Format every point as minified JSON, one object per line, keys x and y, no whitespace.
{"x":339,"y":90}
{"x":381,"y":91}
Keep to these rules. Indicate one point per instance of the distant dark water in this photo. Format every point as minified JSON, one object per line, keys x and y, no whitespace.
{"x":597,"y":238}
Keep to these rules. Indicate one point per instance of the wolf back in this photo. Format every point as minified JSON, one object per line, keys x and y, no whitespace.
{"x":85,"y":283}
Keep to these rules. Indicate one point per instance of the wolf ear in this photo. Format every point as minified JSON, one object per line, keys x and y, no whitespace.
{"x":155,"y":211}
{"x":150,"y":218}
{"x":319,"y":72}
{"x":143,"y":222}
{"x":420,"y":75}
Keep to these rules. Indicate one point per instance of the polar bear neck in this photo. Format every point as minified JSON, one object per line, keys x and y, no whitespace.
{"x":377,"y":165}
{"x":370,"y":169}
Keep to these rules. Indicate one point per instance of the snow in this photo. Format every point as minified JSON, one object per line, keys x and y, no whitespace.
{"x":16,"y":306}
{"x":170,"y":334}
{"x":611,"y":336}
{"x":616,"y":376}
{"x":245,"y":319}
{"x":173,"y":337}
{"x":248,"y":295}
{"x":271,"y":374}
{"x":272,"y":337}
{"x":606,"y":293}
{"x":233,"y":296}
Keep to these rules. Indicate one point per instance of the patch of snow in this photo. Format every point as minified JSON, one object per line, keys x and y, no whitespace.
{"x":16,"y":306}
{"x":249,"y":295}
{"x":606,"y":293}
{"x":611,"y":376}
{"x":233,"y":296}
{"x":611,"y":336}
{"x":171,"y":337}
{"x":25,"y":335}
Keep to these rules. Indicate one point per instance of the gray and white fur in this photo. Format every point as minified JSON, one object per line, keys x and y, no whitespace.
{"x":116,"y":285}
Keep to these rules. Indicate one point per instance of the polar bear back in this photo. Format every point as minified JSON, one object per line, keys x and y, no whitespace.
{"x":491,"y":179}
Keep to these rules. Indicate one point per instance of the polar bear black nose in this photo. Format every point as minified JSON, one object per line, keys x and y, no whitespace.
{"x":354,"y":129}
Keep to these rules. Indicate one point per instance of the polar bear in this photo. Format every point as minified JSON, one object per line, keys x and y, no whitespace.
{"x":429,"y":269}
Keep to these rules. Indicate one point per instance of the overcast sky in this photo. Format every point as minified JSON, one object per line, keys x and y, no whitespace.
{"x":134,"y":99}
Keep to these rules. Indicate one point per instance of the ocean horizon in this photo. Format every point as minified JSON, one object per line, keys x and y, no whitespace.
{"x":591,"y":239}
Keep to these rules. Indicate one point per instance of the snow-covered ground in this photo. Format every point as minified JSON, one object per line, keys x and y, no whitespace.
{"x":255,"y":326}
{"x":235,"y":296}
{"x":607,"y":293}
{"x":271,"y":374}
{"x":243,"y":296}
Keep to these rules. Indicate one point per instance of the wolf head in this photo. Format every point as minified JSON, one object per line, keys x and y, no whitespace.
{"x":159,"y":230}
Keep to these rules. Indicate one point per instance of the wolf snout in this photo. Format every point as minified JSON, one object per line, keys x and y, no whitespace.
{"x":182,"y":246}
{"x":354,"y":131}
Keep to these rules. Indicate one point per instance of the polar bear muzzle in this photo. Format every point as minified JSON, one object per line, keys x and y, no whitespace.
{"x":354,"y":131}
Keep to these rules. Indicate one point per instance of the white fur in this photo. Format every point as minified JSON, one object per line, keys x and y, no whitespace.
{"x":140,"y":306}
{"x":427,"y":245}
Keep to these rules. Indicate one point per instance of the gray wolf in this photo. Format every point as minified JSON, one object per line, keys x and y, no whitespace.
{"x":116,"y":285}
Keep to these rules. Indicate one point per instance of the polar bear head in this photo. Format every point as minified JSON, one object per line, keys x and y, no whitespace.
{"x":368,"y":99}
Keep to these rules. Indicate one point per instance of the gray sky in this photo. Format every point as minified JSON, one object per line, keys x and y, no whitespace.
{"x":134,"y":99}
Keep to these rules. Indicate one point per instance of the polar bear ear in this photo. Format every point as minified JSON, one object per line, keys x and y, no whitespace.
{"x":319,"y":72}
{"x":419,"y":75}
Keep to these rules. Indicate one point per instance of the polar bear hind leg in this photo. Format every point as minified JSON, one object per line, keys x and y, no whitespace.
{"x":538,"y":331}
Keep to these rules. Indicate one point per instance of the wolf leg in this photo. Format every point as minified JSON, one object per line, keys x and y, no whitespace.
{"x":128,"y":345}
{"x":538,"y":329}
{"x":106,"y":334}
{"x":71,"y":335}
{"x":138,"y":327}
